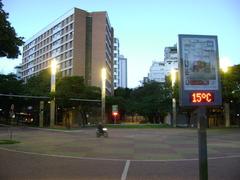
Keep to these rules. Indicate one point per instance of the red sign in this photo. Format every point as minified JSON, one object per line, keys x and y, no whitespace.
{"x":200,"y":97}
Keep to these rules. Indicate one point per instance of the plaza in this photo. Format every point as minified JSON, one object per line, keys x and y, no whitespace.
{"x":165,"y":153}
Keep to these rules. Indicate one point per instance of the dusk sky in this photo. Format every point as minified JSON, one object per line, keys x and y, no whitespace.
{"x":144,"y":28}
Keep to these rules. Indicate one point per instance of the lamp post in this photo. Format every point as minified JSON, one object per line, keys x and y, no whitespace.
{"x":103,"y":93}
{"x":224,"y":67}
{"x":53,"y":90}
{"x":174,"y":111}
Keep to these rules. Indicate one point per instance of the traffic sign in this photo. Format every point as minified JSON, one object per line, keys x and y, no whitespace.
{"x":114,"y":108}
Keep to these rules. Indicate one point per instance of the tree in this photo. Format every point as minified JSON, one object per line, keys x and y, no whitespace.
{"x":74,"y":87}
{"x":153,"y":101}
{"x":70,"y":87}
{"x":116,"y":100}
{"x":122,"y":98}
{"x":39,"y":85}
{"x":230,"y":83}
{"x":9,"y":42}
{"x":9,"y":84}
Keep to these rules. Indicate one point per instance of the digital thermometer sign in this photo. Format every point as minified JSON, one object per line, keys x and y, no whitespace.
{"x":199,"y":78}
{"x":201,"y":97}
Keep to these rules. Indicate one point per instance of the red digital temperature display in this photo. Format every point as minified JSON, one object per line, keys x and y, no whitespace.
{"x":201,"y":97}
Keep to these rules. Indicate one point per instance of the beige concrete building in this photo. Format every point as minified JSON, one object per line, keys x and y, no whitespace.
{"x":82,"y":44}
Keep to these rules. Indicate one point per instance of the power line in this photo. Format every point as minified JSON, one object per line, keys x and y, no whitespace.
{"x":46,"y":97}
{"x":25,"y":96}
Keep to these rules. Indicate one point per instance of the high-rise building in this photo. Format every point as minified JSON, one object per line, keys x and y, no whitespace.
{"x":122,"y":71}
{"x":18,"y":71}
{"x":157,"y":72}
{"x":170,"y":59}
{"x":116,"y":63}
{"x":120,"y":67}
{"x":82,"y":44}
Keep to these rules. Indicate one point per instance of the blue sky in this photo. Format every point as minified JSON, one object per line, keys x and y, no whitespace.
{"x":144,"y":28}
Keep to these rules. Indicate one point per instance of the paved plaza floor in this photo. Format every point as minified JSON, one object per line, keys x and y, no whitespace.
{"x":153,"y":152}
{"x":133,"y":144}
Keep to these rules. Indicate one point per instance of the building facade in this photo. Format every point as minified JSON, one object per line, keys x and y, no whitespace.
{"x":120,"y":67}
{"x":157,"y":72}
{"x":122,"y":71}
{"x":170,"y":59}
{"x":116,"y":63}
{"x":80,"y":42}
{"x":18,"y":71}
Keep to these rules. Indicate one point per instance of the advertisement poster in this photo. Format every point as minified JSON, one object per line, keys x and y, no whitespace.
{"x":199,"y":57}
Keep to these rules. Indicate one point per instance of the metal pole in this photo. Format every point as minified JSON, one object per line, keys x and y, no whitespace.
{"x":41,"y":113}
{"x":173,"y":78}
{"x":115,"y":119}
{"x":103,"y":93}
{"x":227,"y":114}
{"x":53,"y":89}
{"x":174,"y":111}
{"x":202,"y":144}
{"x":52,"y":113}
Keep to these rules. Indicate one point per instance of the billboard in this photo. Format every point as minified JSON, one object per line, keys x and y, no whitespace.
{"x":199,"y":70}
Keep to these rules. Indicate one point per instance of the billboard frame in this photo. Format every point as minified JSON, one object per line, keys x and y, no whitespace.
{"x":185,"y":56}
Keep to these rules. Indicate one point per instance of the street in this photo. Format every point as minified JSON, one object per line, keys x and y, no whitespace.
{"x":129,"y":159}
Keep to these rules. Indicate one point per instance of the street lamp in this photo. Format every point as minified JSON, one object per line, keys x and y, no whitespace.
{"x":174,"y":111}
{"x":224,"y":63}
{"x":103,"y":93}
{"x":53,"y":90}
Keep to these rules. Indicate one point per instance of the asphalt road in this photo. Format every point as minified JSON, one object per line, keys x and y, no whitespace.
{"x":18,"y":165}
{"x":126,"y":154}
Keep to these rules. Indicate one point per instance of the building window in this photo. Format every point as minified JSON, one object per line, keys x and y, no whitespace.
{"x":71,"y":26}
{"x":70,"y":35}
{"x":71,"y":17}
{"x":69,"y":63}
{"x":69,"y":72}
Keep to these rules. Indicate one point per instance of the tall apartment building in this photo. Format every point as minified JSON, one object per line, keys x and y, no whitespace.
{"x":82,"y":44}
{"x":18,"y":71}
{"x":122,"y":71}
{"x":157,"y":72}
{"x":170,"y":59}
{"x":120,"y":67}
{"x":116,"y":63}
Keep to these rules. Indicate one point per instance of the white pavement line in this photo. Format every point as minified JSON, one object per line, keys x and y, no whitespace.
{"x":61,"y":156}
{"x":112,"y":159}
{"x":56,"y":130}
{"x":125,"y":171}
{"x":44,"y":129}
{"x":193,"y":159}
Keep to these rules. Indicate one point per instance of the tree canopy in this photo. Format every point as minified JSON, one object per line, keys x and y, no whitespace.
{"x":9,"y":41}
{"x":231,"y":84}
{"x":39,"y":85}
{"x":152,"y":100}
{"x":9,"y":84}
